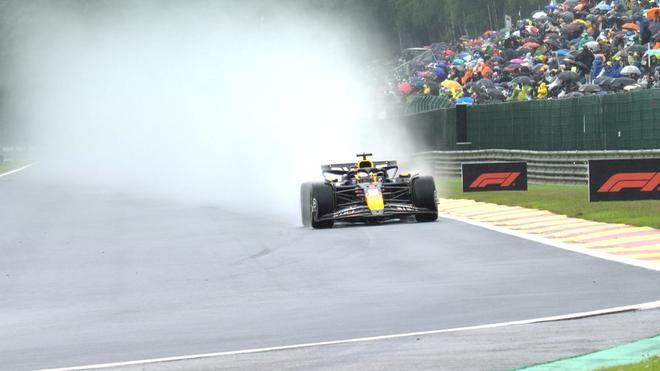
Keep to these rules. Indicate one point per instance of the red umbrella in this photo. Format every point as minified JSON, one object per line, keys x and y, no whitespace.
{"x":530,"y":45}
{"x":532,"y":29}
{"x":405,"y":88}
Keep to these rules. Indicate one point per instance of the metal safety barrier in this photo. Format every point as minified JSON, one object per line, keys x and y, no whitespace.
{"x":559,"y":167}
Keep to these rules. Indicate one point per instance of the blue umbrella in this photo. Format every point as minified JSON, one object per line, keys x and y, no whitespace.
{"x":465,"y":100}
{"x":440,"y":72}
{"x":551,"y":7}
{"x":562,"y":52}
{"x":603,"y":6}
{"x":459,"y":61}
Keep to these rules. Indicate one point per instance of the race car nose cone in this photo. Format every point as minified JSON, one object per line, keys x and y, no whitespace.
{"x":374,"y":199}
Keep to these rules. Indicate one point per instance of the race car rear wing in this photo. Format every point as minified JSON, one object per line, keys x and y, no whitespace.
{"x":344,"y":168}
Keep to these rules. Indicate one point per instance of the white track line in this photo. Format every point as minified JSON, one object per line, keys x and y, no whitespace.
{"x":559,"y":244}
{"x":17,"y":170}
{"x":628,"y":308}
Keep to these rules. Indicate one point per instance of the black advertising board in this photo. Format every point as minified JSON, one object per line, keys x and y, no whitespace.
{"x":624,"y":180}
{"x":494,"y":176}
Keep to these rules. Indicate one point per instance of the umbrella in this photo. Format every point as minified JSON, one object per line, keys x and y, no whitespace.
{"x":631,"y":27}
{"x":636,"y":48}
{"x":653,"y":13}
{"x":540,"y":67}
{"x":550,"y":7}
{"x":532,"y":29}
{"x":621,"y":82}
{"x":593,"y":46}
{"x":465,"y":100}
{"x":573,"y":27}
{"x":567,"y":17}
{"x":590,"y":88}
{"x":512,"y":67}
{"x":516,"y":61}
{"x":604,"y":81}
{"x":405,"y":88}
{"x":583,"y":22}
{"x":459,"y":61}
{"x":655,"y":52}
{"x":632,"y":87}
{"x":531,"y":45}
{"x":630,"y":70}
{"x":603,"y":6}
{"x":539,"y":15}
{"x":485,"y":84}
{"x":525,"y":80}
{"x":562,"y":52}
{"x":440,"y":72}
{"x":567,"y":76}
{"x":451,"y":84}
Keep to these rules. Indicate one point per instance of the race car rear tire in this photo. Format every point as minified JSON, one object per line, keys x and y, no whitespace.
{"x":424,"y":196}
{"x":316,"y":199}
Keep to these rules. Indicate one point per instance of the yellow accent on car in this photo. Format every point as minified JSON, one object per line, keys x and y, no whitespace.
{"x":404,"y":175}
{"x":374,"y":199}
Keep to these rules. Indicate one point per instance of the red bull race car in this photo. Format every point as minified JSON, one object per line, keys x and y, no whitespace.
{"x":367,"y":191}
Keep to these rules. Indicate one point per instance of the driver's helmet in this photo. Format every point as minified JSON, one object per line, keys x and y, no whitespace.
{"x":363,"y":177}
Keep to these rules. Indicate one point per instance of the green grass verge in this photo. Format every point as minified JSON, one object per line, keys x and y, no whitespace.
{"x":9,"y":166}
{"x":563,"y":199}
{"x":650,"y":364}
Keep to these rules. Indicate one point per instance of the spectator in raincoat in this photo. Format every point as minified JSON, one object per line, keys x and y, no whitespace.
{"x":520,"y":93}
{"x":613,"y":69}
{"x":596,"y":68}
{"x":542,"y":91}
{"x":583,"y":40}
{"x":427,"y":89}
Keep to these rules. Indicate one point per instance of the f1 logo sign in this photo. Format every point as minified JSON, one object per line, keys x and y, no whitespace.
{"x":501,"y":179}
{"x":624,"y":180}
{"x":645,"y":182}
{"x":494,"y":176}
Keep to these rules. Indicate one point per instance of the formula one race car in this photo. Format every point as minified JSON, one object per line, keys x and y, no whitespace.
{"x":367,"y":191}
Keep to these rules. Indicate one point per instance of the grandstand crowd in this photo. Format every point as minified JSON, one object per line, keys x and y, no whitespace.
{"x":569,"y":49}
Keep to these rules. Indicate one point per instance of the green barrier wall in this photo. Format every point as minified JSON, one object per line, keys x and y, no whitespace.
{"x":623,"y":121}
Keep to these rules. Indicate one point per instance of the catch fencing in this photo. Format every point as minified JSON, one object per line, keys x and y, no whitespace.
{"x":624,"y":121}
{"x":567,"y":167}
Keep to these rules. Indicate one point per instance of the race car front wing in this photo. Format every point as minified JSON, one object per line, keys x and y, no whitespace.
{"x":363,"y":212}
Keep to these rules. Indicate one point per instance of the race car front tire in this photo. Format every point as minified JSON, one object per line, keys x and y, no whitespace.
{"x":316,"y":199}
{"x":424,"y":196}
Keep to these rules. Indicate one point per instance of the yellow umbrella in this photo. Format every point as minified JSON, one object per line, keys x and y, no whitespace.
{"x":583,"y":22}
{"x":451,"y":84}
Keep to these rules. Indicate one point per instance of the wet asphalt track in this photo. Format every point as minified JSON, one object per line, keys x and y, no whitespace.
{"x":90,"y":276}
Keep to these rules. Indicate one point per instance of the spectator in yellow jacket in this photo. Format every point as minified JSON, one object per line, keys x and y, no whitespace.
{"x":542,"y":91}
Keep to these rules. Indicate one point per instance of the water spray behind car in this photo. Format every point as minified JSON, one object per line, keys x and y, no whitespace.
{"x":194,"y":102}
